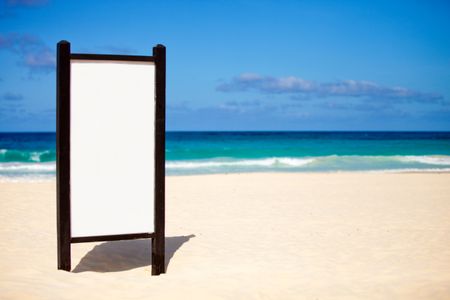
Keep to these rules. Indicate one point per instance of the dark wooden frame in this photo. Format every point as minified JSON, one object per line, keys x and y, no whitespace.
{"x":64,"y":237}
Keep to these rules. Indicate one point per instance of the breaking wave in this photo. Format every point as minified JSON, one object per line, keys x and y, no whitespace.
{"x":331,"y":163}
{"x":9,"y":155}
{"x":265,"y":162}
{"x":311,"y":164}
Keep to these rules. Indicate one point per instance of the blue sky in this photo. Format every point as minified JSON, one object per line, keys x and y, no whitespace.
{"x":245,"y":65}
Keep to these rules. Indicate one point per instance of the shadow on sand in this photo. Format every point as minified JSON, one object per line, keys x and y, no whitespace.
{"x":126,"y":255}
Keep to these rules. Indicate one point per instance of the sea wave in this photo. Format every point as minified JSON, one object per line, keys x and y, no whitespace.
{"x":320,"y":163}
{"x":265,"y":162}
{"x":27,"y":167}
{"x":430,"y":159}
{"x":12,"y":155}
{"x":330,"y":163}
{"x":27,"y":171}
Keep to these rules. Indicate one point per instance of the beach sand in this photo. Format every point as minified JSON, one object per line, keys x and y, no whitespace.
{"x":247,"y":236}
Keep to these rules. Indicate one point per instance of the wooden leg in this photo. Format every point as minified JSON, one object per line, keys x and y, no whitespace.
{"x":158,"y":248}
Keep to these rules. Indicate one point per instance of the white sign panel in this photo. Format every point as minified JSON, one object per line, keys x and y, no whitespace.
{"x":112,"y":117}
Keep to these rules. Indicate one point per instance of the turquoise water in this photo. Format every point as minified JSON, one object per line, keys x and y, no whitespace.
{"x":33,"y":154}
{"x":222,"y":152}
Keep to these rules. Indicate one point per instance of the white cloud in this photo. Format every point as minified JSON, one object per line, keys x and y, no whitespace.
{"x":299,"y":87}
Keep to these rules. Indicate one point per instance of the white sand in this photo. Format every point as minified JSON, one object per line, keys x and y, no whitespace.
{"x":248,"y":236}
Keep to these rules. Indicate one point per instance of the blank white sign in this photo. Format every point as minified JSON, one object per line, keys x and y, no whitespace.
{"x":112,"y":117}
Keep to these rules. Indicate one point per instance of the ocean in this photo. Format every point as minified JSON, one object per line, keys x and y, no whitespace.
{"x":33,"y":155}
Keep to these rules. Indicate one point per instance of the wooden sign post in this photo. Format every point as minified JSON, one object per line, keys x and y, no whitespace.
{"x":110,"y":150}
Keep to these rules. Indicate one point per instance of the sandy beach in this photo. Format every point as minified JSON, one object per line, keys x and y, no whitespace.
{"x":247,"y":236}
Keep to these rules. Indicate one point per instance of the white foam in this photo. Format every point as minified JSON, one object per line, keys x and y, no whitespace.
{"x":427,"y":159}
{"x":296,"y":162}
{"x":35,"y":167}
{"x":35,"y":156}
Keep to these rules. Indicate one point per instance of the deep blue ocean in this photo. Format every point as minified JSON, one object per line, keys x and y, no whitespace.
{"x":33,"y":155}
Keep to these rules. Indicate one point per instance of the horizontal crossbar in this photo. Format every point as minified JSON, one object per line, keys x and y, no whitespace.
{"x":115,"y":237}
{"x":112,"y":57}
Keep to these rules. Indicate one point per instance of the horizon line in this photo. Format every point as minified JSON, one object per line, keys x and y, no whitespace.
{"x":264,"y":130}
